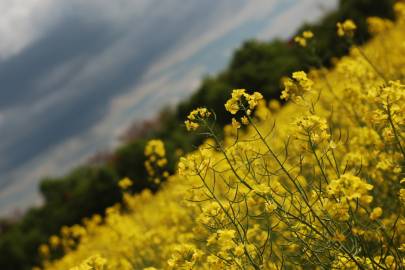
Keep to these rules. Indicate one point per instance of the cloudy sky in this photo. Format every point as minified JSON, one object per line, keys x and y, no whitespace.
{"x":74,"y":74}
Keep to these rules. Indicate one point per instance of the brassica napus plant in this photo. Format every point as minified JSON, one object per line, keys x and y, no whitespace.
{"x":317,"y":184}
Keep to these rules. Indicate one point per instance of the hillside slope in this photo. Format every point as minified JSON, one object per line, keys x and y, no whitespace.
{"x":316,"y":183}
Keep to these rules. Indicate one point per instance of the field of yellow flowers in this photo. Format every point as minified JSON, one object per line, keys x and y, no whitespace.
{"x":318,"y":183}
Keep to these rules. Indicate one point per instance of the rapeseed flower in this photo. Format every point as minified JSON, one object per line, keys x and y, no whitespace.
{"x":346,"y":28}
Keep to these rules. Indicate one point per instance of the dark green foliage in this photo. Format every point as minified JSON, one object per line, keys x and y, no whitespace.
{"x":260,"y":65}
{"x":256,"y":66}
{"x":129,"y":160}
{"x":85,"y":191}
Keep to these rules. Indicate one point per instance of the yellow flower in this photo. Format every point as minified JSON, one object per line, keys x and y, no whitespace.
{"x":235,"y":123}
{"x":402,"y":195}
{"x":390,"y":262}
{"x":238,"y":96}
{"x":253,"y":99}
{"x":336,"y":210}
{"x":184,"y":257}
{"x":239,"y":250}
{"x":308,"y":34}
{"x":261,"y":188}
{"x":245,"y":120}
{"x":125,"y":183}
{"x":162,"y":162}
{"x":377,"y":25}
{"x":270,"y":207}
{"x":313,"y":127}
{"x":346,"y":28}
{"x":95,"y":262}
{"x":191,"y":125}
{"x":44,"y":250}
{"x":232,"y":105}
{"x":399,"y":9}
{"x":193,"y":119}
{"x":350,"y":187}
{"x":155,"y":147}
{"x":274,"y":105}
{"x":332,"y":144}
{"x":296,"y":87}
{"x":225,"y":239}
{"x":302,"y":40}
{"x":54,"y":241}
{"x":376,"y":213}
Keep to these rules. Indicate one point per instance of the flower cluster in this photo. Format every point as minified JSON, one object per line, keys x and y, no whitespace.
{"x":185,"y":256}
{"x":350,"y":187}
{"x":378,"y":25}
{"x":297,"y":86}
{"x":125,"y":183}
{"x":346,"y":28}
{"x":240,"y":100}
{"x":156,"y":160}
{"x":95,"y":262}
{"x":302,"y":40}
{"x":195,"y":163}
{"x":313,"y":128}
{"x":193,"y":119}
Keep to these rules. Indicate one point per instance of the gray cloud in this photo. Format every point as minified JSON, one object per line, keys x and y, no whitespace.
{"x":106,"y":62}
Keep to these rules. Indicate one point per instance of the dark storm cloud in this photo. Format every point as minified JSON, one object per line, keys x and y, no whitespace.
{"x":70,"y":39}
